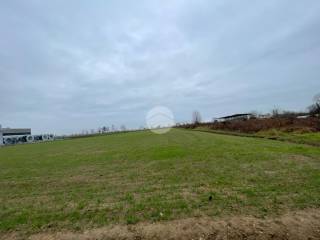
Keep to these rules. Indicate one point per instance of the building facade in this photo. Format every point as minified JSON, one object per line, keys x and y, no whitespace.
{"x":6,"y":133}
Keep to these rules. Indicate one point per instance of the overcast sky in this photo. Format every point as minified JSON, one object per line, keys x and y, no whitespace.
{"x":72,"y":65}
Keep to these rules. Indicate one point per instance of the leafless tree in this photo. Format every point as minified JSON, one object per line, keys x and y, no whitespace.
{"x":316,"y":99}
{"x":254,"y":114}
{"x":196,"y":117}
{"x":276,"y":112}
{"x":123,"y":128}
{"x":314,"y":109}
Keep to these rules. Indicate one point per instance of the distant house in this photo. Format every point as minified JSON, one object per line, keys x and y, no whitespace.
{"x":242,"y":116}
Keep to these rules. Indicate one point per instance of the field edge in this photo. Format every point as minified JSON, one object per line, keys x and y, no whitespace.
{"x":303,"y":224}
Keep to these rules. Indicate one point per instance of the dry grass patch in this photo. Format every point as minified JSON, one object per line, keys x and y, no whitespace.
{"x":294,"y":226}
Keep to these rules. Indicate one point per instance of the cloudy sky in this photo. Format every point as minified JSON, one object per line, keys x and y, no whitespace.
{"x":71,"y":65}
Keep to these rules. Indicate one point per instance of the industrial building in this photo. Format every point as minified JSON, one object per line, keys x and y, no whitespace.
{"x":10,"y":136}
{"x":242,"y":116}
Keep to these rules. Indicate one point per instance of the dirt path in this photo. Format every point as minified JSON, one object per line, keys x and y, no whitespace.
{"x":298,"y":225}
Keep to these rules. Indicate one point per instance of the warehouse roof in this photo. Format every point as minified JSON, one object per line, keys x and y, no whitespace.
{"x":15,"y":131}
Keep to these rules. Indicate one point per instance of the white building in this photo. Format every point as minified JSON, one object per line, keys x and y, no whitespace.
{"x":243,"y":116}
{"x":13,"y":132}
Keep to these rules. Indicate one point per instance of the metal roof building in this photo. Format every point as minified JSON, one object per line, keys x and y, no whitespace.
{"x":13,"y":132}
{"x":241,"y":116}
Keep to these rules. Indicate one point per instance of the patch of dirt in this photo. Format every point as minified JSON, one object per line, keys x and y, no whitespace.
{"x":300,"y":159}
{"x":299,"y":225}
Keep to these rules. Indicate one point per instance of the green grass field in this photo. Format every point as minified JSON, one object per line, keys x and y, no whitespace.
{"x":305,"y":138}
{"x":140,"y":176}
{"x":312,"y":138}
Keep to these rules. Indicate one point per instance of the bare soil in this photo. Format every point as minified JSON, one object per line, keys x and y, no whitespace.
{"x":295,"y":225}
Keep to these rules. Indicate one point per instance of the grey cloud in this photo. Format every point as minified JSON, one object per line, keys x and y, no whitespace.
{"x":72,"y":65}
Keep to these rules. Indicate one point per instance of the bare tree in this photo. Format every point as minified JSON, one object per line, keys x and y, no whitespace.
{"x":316,"y":99}
{"x":276,"y":112}
{"x":196,"y":117}
{"x":123,"y":128}
{"x":254,"y":114}
{"x":314,"y":109}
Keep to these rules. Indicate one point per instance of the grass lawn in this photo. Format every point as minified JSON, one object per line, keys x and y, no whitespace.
{"x":140,"y":176}
{"x":305,"y":138}
{"x":295,"y":137}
